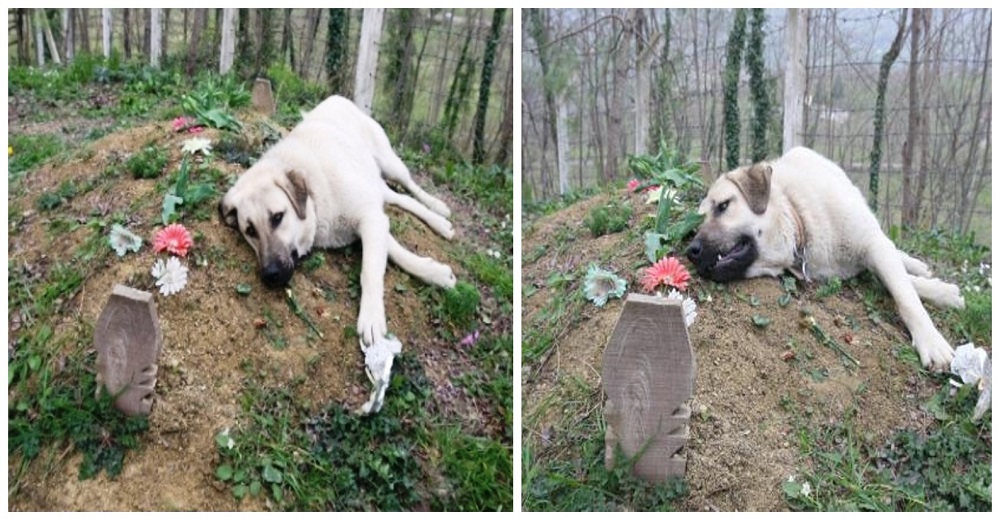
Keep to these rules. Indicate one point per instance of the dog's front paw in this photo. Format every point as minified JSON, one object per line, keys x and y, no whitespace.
{"x":442,"y":276}
{"x":371,"y":325}
{"x":935,"y":352}
{"x":439,"y":207}
{"x":952,"y":297}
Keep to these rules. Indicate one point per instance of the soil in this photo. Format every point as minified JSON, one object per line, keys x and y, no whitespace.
{"x":749,"y":400}
{"x":210,"y":341}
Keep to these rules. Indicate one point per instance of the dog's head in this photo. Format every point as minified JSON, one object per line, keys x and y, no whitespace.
{"x":274,"y":211}
{"x":734,"y":208}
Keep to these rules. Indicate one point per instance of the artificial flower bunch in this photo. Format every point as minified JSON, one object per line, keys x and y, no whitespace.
{"x":171,"y":276}
{"x":600,"y":284}
{"x":668,"y":272}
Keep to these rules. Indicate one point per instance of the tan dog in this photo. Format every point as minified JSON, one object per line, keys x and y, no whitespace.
{"x":322,"y":186}
{"x":802,"y":213}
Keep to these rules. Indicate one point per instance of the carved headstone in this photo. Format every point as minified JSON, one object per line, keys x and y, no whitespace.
{"x":648,"y":377}
{"x":263,"y":97}
{"x":128,"y":342}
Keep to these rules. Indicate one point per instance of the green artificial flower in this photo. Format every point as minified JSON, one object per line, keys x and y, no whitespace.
{"x":600,"y":285}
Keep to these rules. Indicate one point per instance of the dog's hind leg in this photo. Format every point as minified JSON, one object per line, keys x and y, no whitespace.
{"x":438,"y":223}
{"x":914,"y":266}
{"x":394,"y":170}
{"x":938,"y":293}
{"x":427,"y":269}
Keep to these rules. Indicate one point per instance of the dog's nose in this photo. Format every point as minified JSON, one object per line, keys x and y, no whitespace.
{"x":694,"y":250}
{"x":274,"y":276}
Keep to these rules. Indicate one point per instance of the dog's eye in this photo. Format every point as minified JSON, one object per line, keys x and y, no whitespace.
{"x":251,"y":231}
{"x":721,"y":207}
{"x":276,"y":219}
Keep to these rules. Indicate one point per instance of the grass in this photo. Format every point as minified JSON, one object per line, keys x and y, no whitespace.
{"x":610,"y":218}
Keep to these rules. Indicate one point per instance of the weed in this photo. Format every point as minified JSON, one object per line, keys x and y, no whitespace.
{"x":493,"y":272}
{"x":314,"y":261}
{"x":830,"y":288}
{"x":30,"y":151}
{"x":947,"y":468}
{"x":610,"y":218}
{"x":459,"y":305}
{"x":148,"y":163}
{"x":491,"y":187}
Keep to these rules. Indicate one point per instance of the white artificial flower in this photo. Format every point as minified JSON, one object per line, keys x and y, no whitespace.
{"x":689,"y":306}
{"x":123,"y":240}
{"x":196,"y":145}
{"x":170,"y":277}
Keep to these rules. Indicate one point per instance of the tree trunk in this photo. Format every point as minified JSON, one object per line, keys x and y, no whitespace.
{"x":53,"y":48}
{"x":127,"y":33}
{"x":438,"y":94}
{"x":911,"y":205}
{"x":758,"y":87}
{"x":486,"y":80}
{"x":155,"y":37}
{"x":288,"y":40}
{"x":506,"y":138}
{"x":84,"y":20}
{"x":165,"y":33}
{"x":642,"y":107}
{"x":312,"y":28}
{"x":796,"y":44}
{"x":458,"y":92}
{"x":399,"y":72}
{"x":883,"y":80}
{"x":228,"y":45}
{"x":39,"y":37}
{"x":730,"y":92}
{"x":364,"y":80}
{"x":338,"y":29}
{"x":106,"y":31}
{"x":195,"y":43}
{"x":69,"y":34}
{"x":265,"y":40}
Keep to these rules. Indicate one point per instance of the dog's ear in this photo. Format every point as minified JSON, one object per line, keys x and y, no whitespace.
{"x":755,"y":184}
{"x":294,"y":185}
{"x":227,"y":211}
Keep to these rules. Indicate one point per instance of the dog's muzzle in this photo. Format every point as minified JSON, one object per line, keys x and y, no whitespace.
{"x":275,"y":275}
{"x":722,"y":266}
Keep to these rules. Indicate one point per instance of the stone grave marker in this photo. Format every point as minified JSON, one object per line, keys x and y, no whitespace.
{"x":263,"y":97}
{"x":128,"y":342}
{"x":648,"y":377}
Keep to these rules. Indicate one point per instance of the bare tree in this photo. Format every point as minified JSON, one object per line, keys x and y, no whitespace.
{"x":883,"y":79}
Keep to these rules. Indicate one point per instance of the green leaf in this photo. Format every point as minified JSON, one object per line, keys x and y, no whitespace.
{"x":784,"y":299}
{"x":222,"y":440}
{"x":255,"y":488}
{"x":170,"y":203}
{"x":653,"y":243}
{"x":243,"y":289}
{"x":791,"y":489}
{"x":760,"y":320}
{"x":224,"y":472}
{"x":240,"y":491}
{"x":34,"y":362}
{"x":271,"y":474}
{"x":276,"y":492}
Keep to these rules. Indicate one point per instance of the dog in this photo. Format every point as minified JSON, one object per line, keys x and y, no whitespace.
{"x":324,"y":186}
{"x":801,"y":213}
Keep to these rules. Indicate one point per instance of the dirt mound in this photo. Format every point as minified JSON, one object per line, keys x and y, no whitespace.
{"x":211,"y":341}
{"x":755,"y":384}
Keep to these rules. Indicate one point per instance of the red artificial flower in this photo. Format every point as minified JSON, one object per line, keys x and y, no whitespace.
{"x":174,"y":238}
{"x":633,"y":184}
{"x":668,"y":271}
{"x":180,"y":123}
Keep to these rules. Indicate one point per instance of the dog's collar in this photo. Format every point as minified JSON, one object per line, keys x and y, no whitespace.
{"x":799,"y":267}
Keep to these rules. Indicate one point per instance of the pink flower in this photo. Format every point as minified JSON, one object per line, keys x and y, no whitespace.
{"x":470,"y":340}
{"x":668,"y":271}
{"x":195,"y":129}
{"x":174,"y":238}
{"x":633,"y":184}
{"x":180,"y":123}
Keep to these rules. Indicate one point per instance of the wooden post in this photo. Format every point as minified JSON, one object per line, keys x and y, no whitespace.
{"x":228,"y":46}
{"x":106,"y":31}
{"x":69,"y":34}
{"x":562,"y":146}
{"x":263,"y":97}
{"x":364,"y":80}
{"x":155,"y":37}
{"x":39,"y":37}
{"x":648,"y":376}
{"x":795,"y":79}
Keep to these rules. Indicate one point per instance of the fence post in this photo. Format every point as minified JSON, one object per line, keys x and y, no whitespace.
{"x":364,"y":80}
{"x":228,"y":45}
{"x":795,"y":75}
